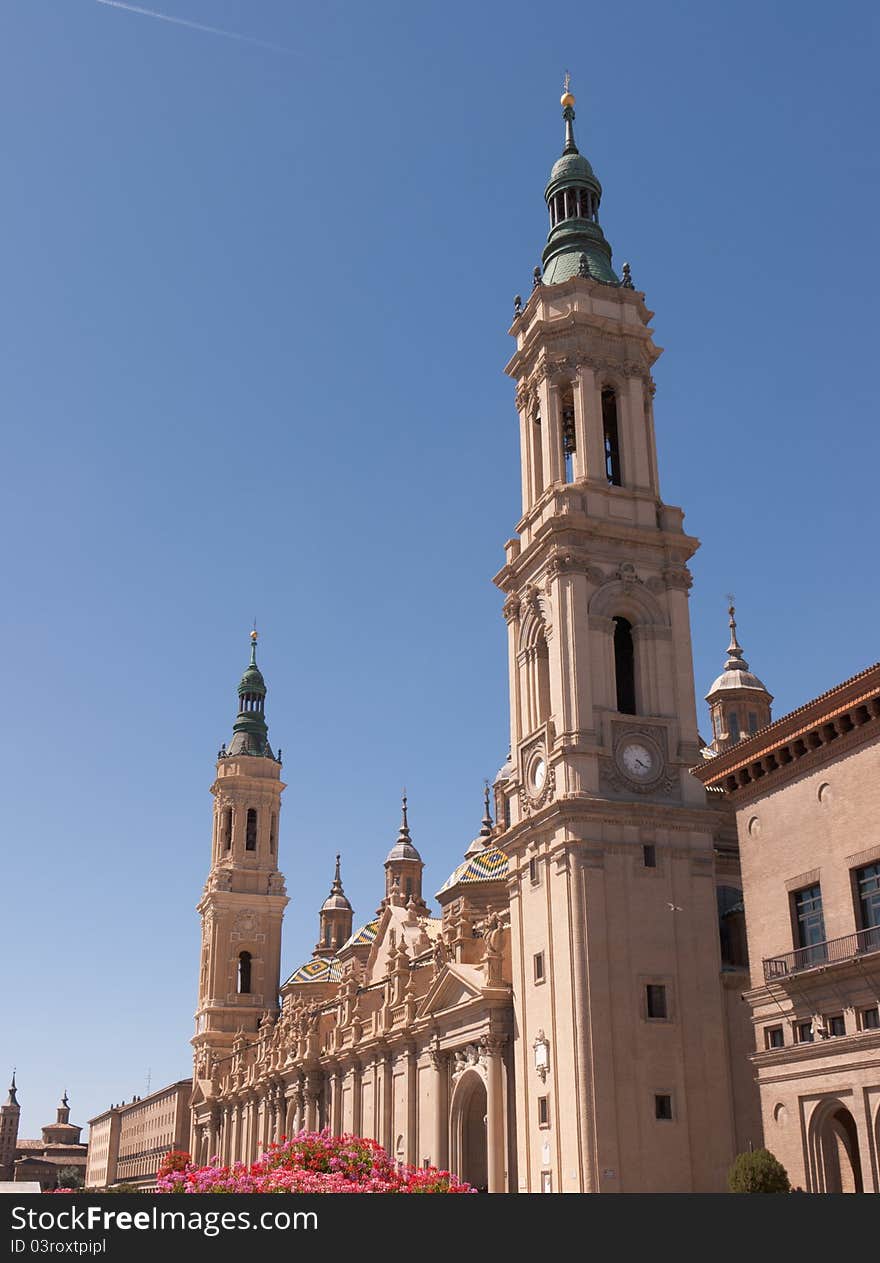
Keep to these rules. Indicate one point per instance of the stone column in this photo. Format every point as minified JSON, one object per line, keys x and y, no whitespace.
{"x":387,"y":1128}
{"x":312,"y":1090}
{"x":357,"y":1118}
{"x":493,"y":1045}
{"x":440,"y":1154}
{"x":588,"y":425}
{"x":412,"y":1106}
{"x":337,"y":1126}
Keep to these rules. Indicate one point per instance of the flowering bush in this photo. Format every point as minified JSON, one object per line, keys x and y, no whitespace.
{"x":174,"y":1160}
{"x":312,"y":1162}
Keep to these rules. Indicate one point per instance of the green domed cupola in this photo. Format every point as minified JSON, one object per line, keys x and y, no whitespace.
{"x":250,"y":734}
{"x":576,"y":245}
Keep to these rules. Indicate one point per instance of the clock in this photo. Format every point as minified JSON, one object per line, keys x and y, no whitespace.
{"x":539,"y":774}
{"x":639,"y":760}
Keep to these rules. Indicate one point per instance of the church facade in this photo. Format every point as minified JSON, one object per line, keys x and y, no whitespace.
{"x":570,"y":1020}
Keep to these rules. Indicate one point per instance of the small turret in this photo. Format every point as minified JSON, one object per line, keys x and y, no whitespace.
{"x":404,"y":868}
{"x":336,"y":918}
{"x":250,"y":734}
{"x":739,"y":702}
{"x":576,"y":245}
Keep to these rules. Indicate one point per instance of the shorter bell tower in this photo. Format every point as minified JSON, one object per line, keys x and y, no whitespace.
{"x":10,"y":1114}
{"x":243,"y":902}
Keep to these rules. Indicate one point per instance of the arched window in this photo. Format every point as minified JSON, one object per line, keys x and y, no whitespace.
{"x":328,"y":932}
{"x":226,"y":830}
{"x":624,"y":666}
{"x":244,"y":973}
{"x":409,"y":889}
{"x":733,"y":726}
{"x":250,"y":837}
{"x":612,"y":438}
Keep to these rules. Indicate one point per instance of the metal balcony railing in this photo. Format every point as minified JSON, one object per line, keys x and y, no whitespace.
{"x":832,"y":952}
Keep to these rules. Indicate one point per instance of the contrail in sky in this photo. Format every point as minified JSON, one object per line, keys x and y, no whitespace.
{"x":194,"y":26}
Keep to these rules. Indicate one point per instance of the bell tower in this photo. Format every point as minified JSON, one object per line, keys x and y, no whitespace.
{"x":610,"y":842}
{"x":243,"y":902}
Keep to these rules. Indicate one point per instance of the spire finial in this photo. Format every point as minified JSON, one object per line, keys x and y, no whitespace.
{"x":64,"y":1100}
{"x":735,"y":660}
{"x":567,"y":102}
{"x":12,"y":1099}
{"x":486,"y":827}
{"x":255,"y":636}
{"x":404,"y":826}
{"x":336,"y":888}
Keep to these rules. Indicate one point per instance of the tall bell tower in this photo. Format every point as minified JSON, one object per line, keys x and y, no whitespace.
{"x":621,"y":1074}
{"x":243,"y":902}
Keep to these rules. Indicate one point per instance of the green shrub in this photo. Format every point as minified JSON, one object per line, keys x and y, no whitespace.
{"x":758,"y":1172}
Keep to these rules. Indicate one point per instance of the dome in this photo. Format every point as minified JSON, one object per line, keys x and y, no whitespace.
{"x":490,"y":865}
{"x":252,"y":681}
{"x":736,"y":679}
{"x":572,"y":168}
{"x":336,"y":902}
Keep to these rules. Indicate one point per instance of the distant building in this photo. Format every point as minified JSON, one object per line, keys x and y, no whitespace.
{"x":41,"y":1161}
{"x":128,"y":1142}
{"x":806,"y":790}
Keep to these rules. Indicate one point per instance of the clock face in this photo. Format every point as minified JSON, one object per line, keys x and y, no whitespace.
{"x":638,"y":760}
{"x":539,"y":774}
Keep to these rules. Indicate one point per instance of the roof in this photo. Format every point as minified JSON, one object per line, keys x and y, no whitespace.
{"x":321,"y":969}
{"x":364,"y":936}
{"x":490,"y":865}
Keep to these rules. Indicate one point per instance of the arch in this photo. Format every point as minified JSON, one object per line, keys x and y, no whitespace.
{"x":467,"y":1116}
{"x":834,"y":1147}
{"x":244,"y":973}
{"x":627,"y":599}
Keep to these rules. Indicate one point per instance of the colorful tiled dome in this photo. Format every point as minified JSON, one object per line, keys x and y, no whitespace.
{"x":490,"y":865}
{"x":365,"y":936}
{"x":324,"y":969}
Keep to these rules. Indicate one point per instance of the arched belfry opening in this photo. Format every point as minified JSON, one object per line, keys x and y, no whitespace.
{"x":624,"y":666}
{"x":244,"y":973}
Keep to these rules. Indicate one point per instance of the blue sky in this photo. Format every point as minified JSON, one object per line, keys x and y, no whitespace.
{"x":255,"y":311}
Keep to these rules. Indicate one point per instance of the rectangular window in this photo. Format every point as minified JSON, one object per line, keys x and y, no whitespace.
{"x":663,"y":1107}
{"x":655,"y":998}
{"x":867,"y":882}
{"x":733,"y":726}
{"x":546,"y":1182}
{"x":835,"y":1024}
{"x":507,"y":811}
{"x":774,"y":1037}
{"x":871,"y":1019}
{"x":539,"y":966}
{"x":534,"y":872}
{"x":543,"y":1111}
{"x":809,"y":924}
{"x":649,"y":855}
{"x":805,"y":1032}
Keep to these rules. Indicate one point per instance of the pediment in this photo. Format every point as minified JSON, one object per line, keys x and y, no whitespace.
{"x":455,"y":986}
{"x":203,"y":1090}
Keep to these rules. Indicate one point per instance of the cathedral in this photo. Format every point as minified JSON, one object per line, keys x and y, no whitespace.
{"x":569,"y":1016}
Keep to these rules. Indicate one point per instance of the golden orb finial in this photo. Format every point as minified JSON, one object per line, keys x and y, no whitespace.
{"x":567,"y":98}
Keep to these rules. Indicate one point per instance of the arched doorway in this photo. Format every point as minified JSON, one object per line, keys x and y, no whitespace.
{"x":837,"y":1150}
{"x":468,"y":1118}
